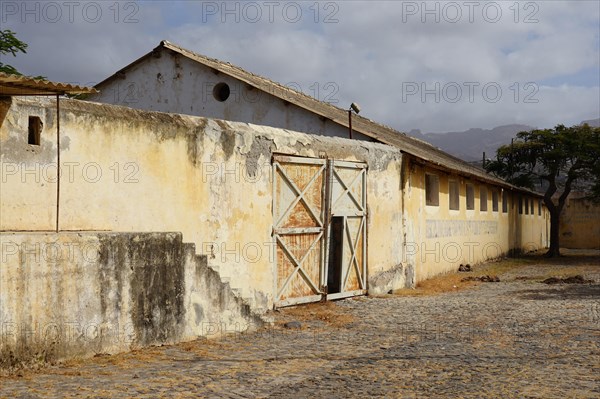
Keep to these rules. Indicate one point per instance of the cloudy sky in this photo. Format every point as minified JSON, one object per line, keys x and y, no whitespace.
{"x":436,"y":66}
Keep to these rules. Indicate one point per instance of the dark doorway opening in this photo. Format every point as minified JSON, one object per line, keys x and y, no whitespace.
{"x":336,"y":249}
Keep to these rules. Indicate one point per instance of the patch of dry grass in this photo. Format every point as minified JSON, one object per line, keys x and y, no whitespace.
{"x":452,"y":281}
{"x":437,"y":285}
{"x":533,"y":267}
{"x":124,"y":360}
{"x":328,"y":312}
{"x":212,"y":348}
{"x":501,"y":267}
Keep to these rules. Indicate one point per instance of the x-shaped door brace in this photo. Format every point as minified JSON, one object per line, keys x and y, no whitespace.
{"x":298,"y":265}
{"x":353,"y":245}
{"x":347,"y":189}
{"x":299,"y":195}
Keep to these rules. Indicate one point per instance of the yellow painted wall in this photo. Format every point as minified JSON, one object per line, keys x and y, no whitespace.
{"x":439,"y":239}
{"x":580,"y":224}
{"x":125,"y":170}
{"x":28,"y":173}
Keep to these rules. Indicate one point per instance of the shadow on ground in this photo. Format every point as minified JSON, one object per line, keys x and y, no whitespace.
{"x":566,"y":291}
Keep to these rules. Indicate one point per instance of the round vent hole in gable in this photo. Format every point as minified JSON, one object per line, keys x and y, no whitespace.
{"x":221,"y":91}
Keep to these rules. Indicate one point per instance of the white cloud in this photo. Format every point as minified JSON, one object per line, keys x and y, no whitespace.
{"x":371,"y":53}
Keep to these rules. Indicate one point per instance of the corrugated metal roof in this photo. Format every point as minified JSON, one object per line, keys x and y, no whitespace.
{"x":384,"y":134}
{"x":15,"y":85}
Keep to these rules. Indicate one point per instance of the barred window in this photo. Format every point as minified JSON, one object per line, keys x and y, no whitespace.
{"x":454,"y":195}
{"x":470,"y":197}
{"x":432,"y":190}
{"x":483,"y":199}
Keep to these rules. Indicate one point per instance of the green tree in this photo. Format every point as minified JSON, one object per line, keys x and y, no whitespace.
{"x":9,"y":44}
{"x":559,"y":158}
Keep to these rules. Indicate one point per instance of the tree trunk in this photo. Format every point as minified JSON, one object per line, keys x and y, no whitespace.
{"x":554,"y":249}
{"x":555,"y":211}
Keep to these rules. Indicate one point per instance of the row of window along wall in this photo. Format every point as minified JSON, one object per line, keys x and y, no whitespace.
{"x":455,"y":202}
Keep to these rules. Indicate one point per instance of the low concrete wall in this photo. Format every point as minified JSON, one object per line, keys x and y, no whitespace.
{"x":78,"y":294}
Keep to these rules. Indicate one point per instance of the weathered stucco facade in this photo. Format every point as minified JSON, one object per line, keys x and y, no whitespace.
{"x":445,"y":233}
{"x":275,"y":217}
{"x":131,"y":172}
{"x":172,"y":80}
{"x":580,"y":224}
{"x":77,"y":294}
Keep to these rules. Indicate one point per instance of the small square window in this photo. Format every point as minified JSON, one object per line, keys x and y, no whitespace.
{"x":470,"y":197}
{"x":432,"y":190}
{"x":483,"y":199}
{"x":454,"y":195}
{"x":34,"y":131}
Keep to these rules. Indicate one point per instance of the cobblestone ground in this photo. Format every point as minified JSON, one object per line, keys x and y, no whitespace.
{"x":517,"y":338}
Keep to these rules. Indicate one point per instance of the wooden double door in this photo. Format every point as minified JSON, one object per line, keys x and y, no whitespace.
{"x":319,"y":228}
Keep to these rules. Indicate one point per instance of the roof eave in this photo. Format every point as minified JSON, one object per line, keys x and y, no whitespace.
{"x":18,"y":85}
{"x":360,"y":125}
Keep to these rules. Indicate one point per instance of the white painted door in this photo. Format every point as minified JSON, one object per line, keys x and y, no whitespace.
{"x":346,"y":274}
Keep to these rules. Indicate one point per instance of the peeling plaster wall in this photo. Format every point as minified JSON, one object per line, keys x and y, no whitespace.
{"x":126,"y":170}
{"x":175,"y":84}
{"x":67,"y":295}
{"x":129,"y":170}
{"x":30,"y":167}
{"x":127,"y":174}
{"x":438,"y":239}
{"x":580,"y":224}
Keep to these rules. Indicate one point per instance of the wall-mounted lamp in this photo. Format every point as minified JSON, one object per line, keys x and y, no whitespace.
{"x":353,"y":107}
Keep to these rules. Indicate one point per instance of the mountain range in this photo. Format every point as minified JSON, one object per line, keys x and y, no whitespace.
{"x":470,"y":145}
